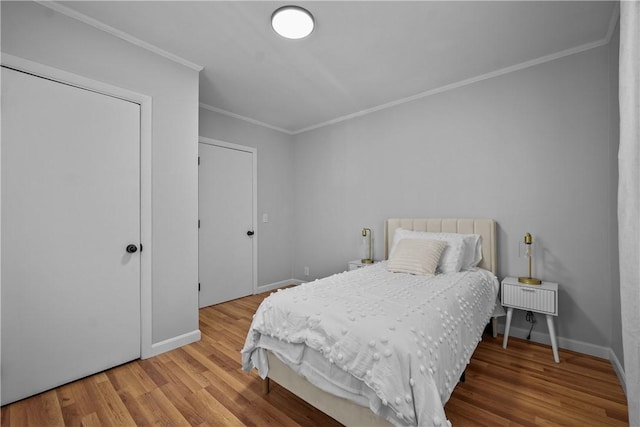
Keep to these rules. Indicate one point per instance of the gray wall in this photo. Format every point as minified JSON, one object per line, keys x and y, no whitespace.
{"x":530,"y":149}
{"x":275,"y":189}
{"x":39,"y":34}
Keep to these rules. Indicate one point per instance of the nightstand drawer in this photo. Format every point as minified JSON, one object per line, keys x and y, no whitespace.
{"x":529,"y":298}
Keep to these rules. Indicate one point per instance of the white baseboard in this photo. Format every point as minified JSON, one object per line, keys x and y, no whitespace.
{"x":173,"y":343}
{"x":277,"y":285}
{"x":565,"y":343}
{"x":617,"y":366}
{"x":574,"y":345}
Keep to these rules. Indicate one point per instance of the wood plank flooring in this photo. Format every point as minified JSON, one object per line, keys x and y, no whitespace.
{"x":202,"y":384}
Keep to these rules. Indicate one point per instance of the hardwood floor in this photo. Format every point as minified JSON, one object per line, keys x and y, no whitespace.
{"x":202,"y":384}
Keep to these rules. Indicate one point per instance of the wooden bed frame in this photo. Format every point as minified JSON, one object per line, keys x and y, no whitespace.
{"x":343,"y":410}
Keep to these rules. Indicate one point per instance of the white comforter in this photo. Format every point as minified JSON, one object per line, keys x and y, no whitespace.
{"x":393,"y":342}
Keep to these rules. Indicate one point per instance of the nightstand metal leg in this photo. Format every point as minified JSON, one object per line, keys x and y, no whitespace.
{"x":552,"y":335}
{"x":506,"y":327}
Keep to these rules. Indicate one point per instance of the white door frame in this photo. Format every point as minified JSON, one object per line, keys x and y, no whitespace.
{"x":145,"y":102}
{"x":254,"y":214}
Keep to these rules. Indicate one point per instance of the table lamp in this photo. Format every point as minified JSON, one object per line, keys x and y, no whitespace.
{"x":526,"y":247}
{"x":366,"y":234}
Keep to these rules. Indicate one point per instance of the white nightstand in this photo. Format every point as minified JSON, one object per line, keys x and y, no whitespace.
{"x":541,"y":298}
{"x":354,"y":265}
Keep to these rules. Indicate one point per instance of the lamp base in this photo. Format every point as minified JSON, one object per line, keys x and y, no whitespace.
{"x":366,"y":261}
{"x":529,"y":281}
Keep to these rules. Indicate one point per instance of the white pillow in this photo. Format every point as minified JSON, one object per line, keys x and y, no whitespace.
{"x":472,"y":251}
{"x":416,"y":256}
{"x":452,"y":257}
{"x":464,"y":251}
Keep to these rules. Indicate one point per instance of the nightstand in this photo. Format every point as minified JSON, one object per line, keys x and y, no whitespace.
{"x":541,"y":298}
{"x":356,"y":264}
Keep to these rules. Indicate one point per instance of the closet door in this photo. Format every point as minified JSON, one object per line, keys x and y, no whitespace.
{"x":70,"y":207}
{"x":226,"y":238}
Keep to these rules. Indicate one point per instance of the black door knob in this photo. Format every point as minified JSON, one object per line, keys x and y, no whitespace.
{"x":250,"y":233}
{"x":131,"y":249}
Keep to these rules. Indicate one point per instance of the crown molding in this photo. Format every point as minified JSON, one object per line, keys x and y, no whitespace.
{"x":615,"y":14}
{"x":523,"y":65}
{"x":117,"y":33}
{"x":461,"y":83}
{"x":243,"y":118}
{"x":613,"y":21}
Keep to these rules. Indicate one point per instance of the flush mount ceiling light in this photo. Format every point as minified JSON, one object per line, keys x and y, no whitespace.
{"x":292,"y":22}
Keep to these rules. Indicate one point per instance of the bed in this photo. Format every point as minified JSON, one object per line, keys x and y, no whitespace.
{"x":372,"y":347}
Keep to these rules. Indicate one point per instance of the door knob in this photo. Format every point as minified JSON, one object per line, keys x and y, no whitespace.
{"x":250,"y":233}
{"x":131,"y":249}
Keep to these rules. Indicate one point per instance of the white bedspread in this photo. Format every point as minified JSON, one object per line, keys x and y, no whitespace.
{"x":393,"y":342}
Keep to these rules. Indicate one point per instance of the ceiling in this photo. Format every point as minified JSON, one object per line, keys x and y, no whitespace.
{"x":362,"y":55}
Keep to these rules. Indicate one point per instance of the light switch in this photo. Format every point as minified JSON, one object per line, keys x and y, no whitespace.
{"x":265,"y":217}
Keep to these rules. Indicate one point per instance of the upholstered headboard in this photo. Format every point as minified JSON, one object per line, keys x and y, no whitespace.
{"x":484,"y":227}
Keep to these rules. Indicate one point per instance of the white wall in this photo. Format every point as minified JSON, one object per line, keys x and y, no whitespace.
{"x":529,"y":149}
{"x":37,"y":33}
{"x":275,"y":189}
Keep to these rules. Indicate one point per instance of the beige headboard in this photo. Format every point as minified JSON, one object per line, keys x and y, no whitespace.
{"x":484,"y":227}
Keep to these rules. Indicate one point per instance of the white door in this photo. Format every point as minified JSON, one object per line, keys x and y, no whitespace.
{"x":70,"y":206}
{"x":226,"y":224}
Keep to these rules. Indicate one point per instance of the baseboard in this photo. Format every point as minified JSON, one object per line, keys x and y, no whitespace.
{"x":565,"y":343}
{"x":617,"y":366}
{"x":278,"y":285}
{"x":173,"y":343}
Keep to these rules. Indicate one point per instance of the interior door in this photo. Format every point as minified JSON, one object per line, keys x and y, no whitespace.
{"x":226,"y":224}
{"x":70,"y":207}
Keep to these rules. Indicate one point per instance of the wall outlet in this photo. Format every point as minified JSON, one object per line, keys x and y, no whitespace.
{"x":306,"y":271}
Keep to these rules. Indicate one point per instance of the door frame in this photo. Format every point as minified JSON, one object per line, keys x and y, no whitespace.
{"x":145,"y":102}
{"x":254,"y":214}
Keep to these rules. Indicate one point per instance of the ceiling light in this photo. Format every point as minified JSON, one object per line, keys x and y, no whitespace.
{"x":292,"y":22}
